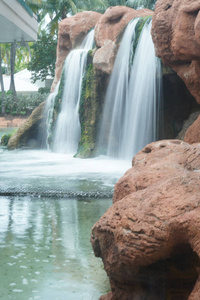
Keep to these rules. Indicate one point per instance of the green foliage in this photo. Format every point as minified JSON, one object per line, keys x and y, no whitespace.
{"x":43,"y":59}
{"x":5,"y":138}
{"x":90,"y":109}
{"x":44,"y":90}
{"x":136,"y":4}
{"x":116,"y":2}
{"x":24,"y":104}
{"x":58,"y":99}
{"x":138,"y":29}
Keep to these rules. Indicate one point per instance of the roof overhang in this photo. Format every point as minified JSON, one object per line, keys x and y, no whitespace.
{"x":16,"y":23}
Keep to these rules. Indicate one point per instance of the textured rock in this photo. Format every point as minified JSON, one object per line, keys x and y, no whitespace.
{"x":27,"y":134}
{"x":186,"y":125}
{"x":176,"y":35}
{"x":108,"y":33}
{"x":149,"y":240}
{"x":193,"y":133}
{"x":71,"y":32}
{"x":178,"y":105}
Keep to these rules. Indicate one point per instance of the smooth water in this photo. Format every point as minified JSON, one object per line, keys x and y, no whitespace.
{"x":130,"y":118}
{"x":45,"y":250}
{"x":68,"y":130}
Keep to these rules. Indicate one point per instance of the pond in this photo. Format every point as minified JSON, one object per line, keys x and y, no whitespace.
{"x":49,"y":203}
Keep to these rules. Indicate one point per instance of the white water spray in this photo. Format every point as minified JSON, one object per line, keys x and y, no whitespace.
{"x":130,"y":116}
{"x":67,"y":131}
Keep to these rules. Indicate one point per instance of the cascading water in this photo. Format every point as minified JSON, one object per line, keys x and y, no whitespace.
{"x":45,"y":133}
{"x":130,"y":116}
{"x":67,"y":130}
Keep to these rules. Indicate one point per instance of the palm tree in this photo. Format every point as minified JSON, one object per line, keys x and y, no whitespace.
{"x":56,"y":10}
{"x":13,"y":49}
{"x":2,"y":85}
{"x":141,"y":3}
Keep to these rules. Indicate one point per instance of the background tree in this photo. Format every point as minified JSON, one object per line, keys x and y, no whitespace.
{"x":12,"y":68}
{"x":43,"y":65}
{"x":2,"y":84}
{"x":141,"y":4}
{"x":43,"y":58}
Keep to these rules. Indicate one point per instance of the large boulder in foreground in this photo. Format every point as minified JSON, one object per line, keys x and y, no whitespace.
{"x":149,"y":240}
{"x":27,"y":135}
{"x":71,"y":33}
{"x":176,"y":35}
{"x":108,"y":33}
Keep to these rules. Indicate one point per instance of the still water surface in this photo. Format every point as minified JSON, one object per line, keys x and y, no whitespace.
{"x":45,"y":250}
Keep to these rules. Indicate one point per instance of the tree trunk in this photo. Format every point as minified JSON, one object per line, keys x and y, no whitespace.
{"x":2,"y":87}
{"x":29,"y":50}
{"x":8,"y":63}
{"x":12,"y":69}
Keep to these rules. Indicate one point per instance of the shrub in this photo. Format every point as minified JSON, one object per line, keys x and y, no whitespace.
{"x":23,"y":105}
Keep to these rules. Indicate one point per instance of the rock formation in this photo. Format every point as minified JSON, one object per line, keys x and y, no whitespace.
{"x":71,"y":33}
{"x":193,"y":133}
{"x":27,"y":135}
{"x":108,"y":33}
{"x":176,"y":35}
{"x":149,"y":239}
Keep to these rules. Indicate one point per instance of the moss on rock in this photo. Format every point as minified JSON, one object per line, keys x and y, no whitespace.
{"x":138,"y":29}
{"x":92,"y":97}
{"x":27,"y":135}
{"x":5,"y":138}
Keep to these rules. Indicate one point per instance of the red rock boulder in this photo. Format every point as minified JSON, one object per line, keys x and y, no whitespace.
{"x":108,"y":33}
{"x":176,"y":35}
{"x":71,"y":32}
{"x":149,"y":240}
{"x":193,"y":133}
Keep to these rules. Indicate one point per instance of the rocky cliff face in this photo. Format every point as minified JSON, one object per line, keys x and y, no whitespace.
{"x":108,"y":33}
{"x":109,"y":30}
{"x":176,"y":35}
{"x":149,"y":239}
{"x":71,"y":33}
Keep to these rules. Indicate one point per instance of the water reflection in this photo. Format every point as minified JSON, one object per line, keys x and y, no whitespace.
{"x":45,"y":251}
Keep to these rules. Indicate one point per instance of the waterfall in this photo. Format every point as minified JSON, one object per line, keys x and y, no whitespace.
{"x":130,"y":117}
{"x":49,"y":107}
{"x":45,"y":132}
{"x":67,"y":129}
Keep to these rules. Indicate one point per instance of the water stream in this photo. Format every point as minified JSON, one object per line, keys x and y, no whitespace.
{"x":68,"y":130}
{"x":131,"y":112}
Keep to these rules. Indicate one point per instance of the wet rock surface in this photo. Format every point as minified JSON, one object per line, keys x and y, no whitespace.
{"x":108,"y":33}
{"x":27,"y":134}
{"x":176,"y":35}
{"x":71,"y":33}
{"x":149,"y":239}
